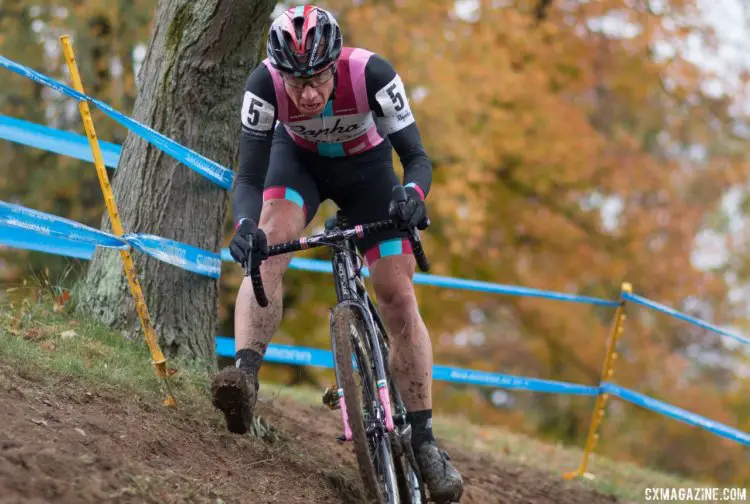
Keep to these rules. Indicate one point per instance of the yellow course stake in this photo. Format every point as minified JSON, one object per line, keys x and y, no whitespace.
{"x":157,"y":356}
{"x":601,"y":400}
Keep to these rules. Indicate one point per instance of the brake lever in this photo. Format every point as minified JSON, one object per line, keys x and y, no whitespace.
{"x":246,"y":264}
{"x":257,"y":281}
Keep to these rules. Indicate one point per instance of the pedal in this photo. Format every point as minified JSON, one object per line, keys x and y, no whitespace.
{"x":331,"y":397}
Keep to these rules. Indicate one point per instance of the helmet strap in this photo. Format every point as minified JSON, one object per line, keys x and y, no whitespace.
{"x":335,"y":81}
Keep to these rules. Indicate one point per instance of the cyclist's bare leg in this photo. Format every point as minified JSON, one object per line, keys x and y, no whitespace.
{"x":410,"y":363}
{"x":410,"y":356}
{"x":234,"y":389}
{"x":254,"y":326}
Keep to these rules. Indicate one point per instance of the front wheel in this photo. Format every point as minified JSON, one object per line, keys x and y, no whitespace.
{"x":371,"y":443}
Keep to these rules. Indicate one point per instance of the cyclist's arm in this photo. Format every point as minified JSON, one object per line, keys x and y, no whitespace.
{"x":390,"y":104}
{"x":258,"y":116}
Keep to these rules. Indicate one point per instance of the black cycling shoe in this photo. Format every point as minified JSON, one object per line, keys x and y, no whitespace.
{"x":235,"y":394}
{"x":442,"y":480}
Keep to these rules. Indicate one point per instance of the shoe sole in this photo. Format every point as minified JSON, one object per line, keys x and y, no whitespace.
{"x":230,"y":395}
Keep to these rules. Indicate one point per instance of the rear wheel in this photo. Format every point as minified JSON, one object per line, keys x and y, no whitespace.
{"x":373,"y":448}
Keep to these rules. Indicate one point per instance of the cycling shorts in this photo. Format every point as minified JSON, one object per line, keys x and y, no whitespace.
{"x":359,"y":184}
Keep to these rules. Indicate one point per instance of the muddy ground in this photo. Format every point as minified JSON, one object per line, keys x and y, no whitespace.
{"x":61,"y":443}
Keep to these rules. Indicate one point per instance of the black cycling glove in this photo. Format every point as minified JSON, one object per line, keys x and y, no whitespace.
{"x":409,"y":214}
{"x":240,"y":249}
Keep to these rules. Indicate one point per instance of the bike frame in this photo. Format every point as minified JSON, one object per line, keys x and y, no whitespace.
{"x":352,"y":294}
{"x":351,"y":291}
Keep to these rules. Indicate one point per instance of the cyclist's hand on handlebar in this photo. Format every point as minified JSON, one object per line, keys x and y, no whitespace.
{"x":407,"y":215}
{"x":249,"y":242}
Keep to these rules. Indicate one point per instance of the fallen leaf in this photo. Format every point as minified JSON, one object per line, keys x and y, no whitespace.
{"x":48,"y":345}
{"x":80,"y":431}
{"x":39,"y":421}
{"x":62,"y":299}
{"x":31,"y":334}
{"x":68,"y":334}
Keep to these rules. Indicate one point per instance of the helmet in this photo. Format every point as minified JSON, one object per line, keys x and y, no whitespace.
{"x":304,"y":40}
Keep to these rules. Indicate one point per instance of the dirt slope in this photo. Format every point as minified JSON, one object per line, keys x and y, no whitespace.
{"x":62,"y":443}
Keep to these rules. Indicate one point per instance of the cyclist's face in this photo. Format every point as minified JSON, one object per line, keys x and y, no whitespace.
{"x":311,"y":94}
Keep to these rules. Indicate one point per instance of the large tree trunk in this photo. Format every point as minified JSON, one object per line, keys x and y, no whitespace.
{"x":191,"y":85}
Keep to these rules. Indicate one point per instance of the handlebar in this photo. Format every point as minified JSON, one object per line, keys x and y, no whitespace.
{"x":337,"y":235}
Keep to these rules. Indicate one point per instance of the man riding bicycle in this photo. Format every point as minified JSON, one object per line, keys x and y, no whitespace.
{"x":319,"y":121}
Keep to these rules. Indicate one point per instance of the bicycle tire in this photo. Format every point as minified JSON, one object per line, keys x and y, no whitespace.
{"x":410,"y":482}
{"x":402,"y":478}
{"x":342,"y":319}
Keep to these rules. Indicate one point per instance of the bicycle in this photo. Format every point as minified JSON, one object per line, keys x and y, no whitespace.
{"x":380,"y":434}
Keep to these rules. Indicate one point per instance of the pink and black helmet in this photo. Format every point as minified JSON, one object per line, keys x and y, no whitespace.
{"x":304,"y":40}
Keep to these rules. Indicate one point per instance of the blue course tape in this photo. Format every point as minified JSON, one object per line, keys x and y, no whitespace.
{"x":201,"y":164}
{"x":41,"y":78}
{"x":25,"y":228}
{"x":282,"y":354}
{"x":670,"y":311}
{"x":476,"y":285}
{"x":473,"y":377}
{"x":16,"y":237}
{"x":675,"y":412}
{"x":56,"y":227}
{"x":54,"y":140}
{"x":177,"y":254}
{"x":305,"y":356}
{"x":454,"y":283}
{"x":210,"y":169}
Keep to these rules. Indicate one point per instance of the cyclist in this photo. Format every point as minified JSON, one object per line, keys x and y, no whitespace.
{"x":320,"y":121}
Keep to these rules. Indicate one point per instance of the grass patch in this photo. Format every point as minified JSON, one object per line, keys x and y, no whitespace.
{"x":47,"y":342}
{"x":41,"y":337}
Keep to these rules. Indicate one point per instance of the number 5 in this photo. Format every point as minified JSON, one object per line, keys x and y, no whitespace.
{"x":253,"y":115}
{"x":397,"y":99}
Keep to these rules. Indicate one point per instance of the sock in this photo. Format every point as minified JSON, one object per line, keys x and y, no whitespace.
{"x":248,"y":361}
{"x":421,"y":427}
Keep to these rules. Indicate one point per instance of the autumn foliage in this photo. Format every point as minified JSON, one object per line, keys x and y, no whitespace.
{"x":573,"y":151}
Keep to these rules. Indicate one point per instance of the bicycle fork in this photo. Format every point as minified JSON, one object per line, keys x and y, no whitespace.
{"x":381,"y":382}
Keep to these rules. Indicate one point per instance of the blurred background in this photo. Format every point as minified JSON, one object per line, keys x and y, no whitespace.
{"x":576,"y":144}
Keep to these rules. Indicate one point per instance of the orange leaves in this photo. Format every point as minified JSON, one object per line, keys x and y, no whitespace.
{"x":60,"y":301}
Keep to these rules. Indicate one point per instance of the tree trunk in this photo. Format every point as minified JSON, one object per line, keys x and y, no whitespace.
{"x":200,"y":53}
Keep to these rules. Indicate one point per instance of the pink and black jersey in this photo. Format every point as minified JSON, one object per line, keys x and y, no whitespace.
{"x":369,"y":108}
{"x":347,"y":125}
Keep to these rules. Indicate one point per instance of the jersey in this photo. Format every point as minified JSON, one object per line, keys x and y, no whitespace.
{"x":369,"y":108}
